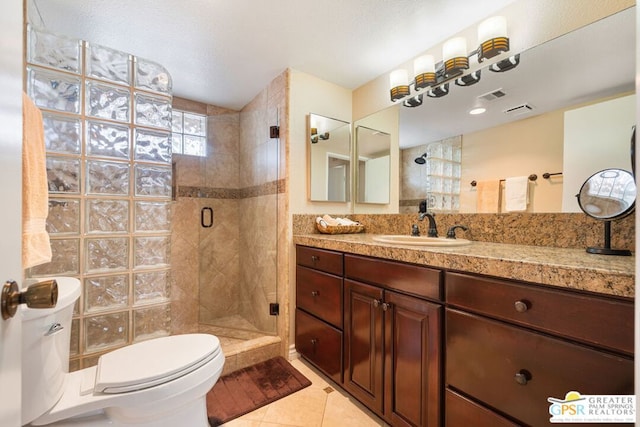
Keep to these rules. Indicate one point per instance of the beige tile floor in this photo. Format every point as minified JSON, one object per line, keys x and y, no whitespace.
{"x":321,"y":404}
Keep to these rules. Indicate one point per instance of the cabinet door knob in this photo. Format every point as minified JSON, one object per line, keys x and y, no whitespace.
{"x":521,"y":306}
{"x":522,"y":377}
{"x":315,"y":293}
{"x":376,"y":303}
{"x":385,"y":306}
{"x":314,"y":341}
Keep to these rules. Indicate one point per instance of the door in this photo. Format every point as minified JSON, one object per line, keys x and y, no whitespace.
{"x":10,"y":223}
{"x":412,"y":361}
{"x":363,"y":345}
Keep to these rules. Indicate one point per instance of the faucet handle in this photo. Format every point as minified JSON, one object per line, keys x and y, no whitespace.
{"x":415,"y":231}
{"x":451,"y":233}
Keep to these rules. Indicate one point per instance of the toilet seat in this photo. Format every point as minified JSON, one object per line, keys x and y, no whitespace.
{"x":136,"y":367}
{"x":171,"y":392}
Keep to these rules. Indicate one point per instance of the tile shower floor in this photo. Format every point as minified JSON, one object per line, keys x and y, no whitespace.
{"x":321,"y":404}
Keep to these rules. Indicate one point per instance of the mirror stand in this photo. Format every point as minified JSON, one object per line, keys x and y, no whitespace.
{"x":606,"y":250}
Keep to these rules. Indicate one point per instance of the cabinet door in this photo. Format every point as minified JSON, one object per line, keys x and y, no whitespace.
{"x":363,"y":361}
{"x":412,"y":361}
{"x":319,"y":343}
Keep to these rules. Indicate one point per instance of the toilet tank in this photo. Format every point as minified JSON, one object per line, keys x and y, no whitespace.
{"x":46,"y":334}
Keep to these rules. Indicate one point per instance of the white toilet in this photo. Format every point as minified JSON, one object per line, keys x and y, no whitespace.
{"x":160,"y":382}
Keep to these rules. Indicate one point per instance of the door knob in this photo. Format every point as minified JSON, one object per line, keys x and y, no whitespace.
{"x":39,"y":295}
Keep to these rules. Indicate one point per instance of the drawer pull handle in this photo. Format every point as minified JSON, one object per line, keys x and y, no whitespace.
{"x":315,"y":293}
{"x":314,"y":341}
{"x":315,"y":258}
{"x":522,"y":377}
{"x":521,"y":306}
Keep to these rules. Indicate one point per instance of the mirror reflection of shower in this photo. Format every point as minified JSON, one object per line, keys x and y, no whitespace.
{"x":421,"y":160}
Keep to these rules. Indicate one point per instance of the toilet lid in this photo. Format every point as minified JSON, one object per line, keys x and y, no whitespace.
{"x":150,"y":363}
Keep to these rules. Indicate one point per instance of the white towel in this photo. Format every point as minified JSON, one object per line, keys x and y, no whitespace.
{"x":516,"y":193}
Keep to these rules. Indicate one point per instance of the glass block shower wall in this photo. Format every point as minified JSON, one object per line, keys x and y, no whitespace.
{"x":107,"y":121}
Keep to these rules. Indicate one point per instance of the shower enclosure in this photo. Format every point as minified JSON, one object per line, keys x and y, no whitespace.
{"x":146,"y":262}
{"x":238,"y":207}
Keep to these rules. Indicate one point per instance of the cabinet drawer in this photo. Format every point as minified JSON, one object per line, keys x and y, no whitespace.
{"x":319,"y":343}
{"x":490,"y":360}
{"x":413,"y":279}
{"x":600,"y":321}
{"x":460,"y":411}
{"x":320,"y":259}
{"x":320,"y":294}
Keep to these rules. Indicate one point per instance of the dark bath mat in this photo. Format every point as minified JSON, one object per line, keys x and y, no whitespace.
{"x":241,"y":392}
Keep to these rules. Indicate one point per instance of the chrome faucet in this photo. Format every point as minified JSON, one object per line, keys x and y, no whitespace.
{"x":433,"y":229}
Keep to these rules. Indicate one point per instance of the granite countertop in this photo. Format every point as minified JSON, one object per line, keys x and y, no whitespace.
{"x":559,"y":267}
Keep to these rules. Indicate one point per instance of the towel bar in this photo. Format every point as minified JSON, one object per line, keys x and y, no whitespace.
{"x":532,"y":177}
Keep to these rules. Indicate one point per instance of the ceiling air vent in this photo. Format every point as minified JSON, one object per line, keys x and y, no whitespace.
{"x":519,"y":109}
{"x":490,"y":96}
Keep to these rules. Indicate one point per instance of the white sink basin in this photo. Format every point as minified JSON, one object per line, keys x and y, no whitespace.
{"x":401,"y":239}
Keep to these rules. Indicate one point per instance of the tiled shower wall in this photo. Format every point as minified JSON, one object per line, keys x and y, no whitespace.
{"x":437,"y":181}
{"x":233,"y":268}
{"x":107,"y":119}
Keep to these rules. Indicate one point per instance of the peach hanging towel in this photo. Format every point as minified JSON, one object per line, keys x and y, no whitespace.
{"x":488,"y":196}
{"x":36,"y":247}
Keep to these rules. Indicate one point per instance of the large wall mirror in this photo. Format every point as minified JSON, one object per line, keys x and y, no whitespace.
{"x":329,"y":159}
{"x":527,"y":128}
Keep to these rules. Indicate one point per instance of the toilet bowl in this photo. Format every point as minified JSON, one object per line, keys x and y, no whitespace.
{"x":161,"y":382}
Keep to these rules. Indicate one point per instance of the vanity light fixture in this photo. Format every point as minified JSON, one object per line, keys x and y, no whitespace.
{"x":492,"y":35}
{"x":414,"y":101}
{"x":399,"y":82}
{"x":424,"y":68}
{"x":315,"y":137}
{"x":469,"y":79}
{"x":438,"y":91}
{"x":433,"y":77}
{"x":506,"y":64}
{"x":454,"y":55}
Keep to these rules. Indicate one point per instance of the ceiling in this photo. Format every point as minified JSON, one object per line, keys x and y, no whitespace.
{"x":224,"y":52}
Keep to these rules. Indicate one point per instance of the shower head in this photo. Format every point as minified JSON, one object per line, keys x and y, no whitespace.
{"x":421,"y":160}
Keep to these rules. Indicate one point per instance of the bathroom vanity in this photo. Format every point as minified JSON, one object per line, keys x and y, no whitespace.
{"x":480,"y":335}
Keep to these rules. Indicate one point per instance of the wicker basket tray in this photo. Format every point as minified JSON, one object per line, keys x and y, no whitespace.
{"x":340,"y":229}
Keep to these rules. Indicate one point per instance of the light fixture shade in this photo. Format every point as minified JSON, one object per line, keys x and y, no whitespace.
{"x":454,"y":56}
{"x":492,"y":36}
{"x":424,"y":68}
{"x":399,"y":82}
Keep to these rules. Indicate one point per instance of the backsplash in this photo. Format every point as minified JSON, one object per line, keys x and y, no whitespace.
{"x":562,"y":230}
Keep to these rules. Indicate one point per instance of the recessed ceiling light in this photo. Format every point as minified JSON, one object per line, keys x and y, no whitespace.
{"x":477,"y":111}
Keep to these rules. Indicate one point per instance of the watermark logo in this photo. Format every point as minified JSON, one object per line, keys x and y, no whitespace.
{"x":578,"y":408}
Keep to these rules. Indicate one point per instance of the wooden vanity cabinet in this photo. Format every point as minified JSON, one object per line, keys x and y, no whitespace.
{"x":319,"y":307}
{"x":392,"y":339}
{"x":511,"y":346}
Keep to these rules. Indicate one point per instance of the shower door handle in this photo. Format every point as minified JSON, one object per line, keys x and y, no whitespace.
{"x":206,"y":217}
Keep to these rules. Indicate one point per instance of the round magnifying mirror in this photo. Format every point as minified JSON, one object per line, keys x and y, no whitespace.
{"x":607,"y":195}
